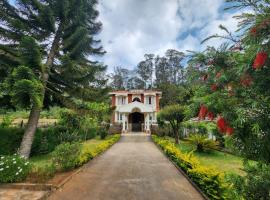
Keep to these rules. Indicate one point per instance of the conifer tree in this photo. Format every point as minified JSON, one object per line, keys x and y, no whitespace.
{"x":47,"y":44}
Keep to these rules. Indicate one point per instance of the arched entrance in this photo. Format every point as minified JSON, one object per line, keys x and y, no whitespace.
{"x":136,"y":120}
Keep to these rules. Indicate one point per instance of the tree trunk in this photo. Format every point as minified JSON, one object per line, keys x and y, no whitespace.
{"x":28,"y":137}
{"x":176,"y":137}
{"x":29,"y":133}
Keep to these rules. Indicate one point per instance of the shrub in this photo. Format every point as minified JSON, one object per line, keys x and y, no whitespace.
{"x":202,"y":142}
{"x":42,"y":173}
{"x":47,"y":139}
{"x":10,"y":140}
{"x":65,"y":155}
{"x":103,"y":133}
{"x":13,"y":169}
{"x":89,"y":153}
{"x":209,"y":180}
{"x":255,"y":185}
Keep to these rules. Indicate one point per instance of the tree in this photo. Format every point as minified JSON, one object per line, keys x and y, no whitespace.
{"x":176,"y":69}
{"x":120,"y":78}
{"x":145,"y":70}
{"x":175,"y":115}
{"x":52,"y":39}
{"x":162,"y":71}
{"x":236,"y":86}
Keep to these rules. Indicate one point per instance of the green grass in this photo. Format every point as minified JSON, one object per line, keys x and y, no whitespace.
{"x":222,"y":161}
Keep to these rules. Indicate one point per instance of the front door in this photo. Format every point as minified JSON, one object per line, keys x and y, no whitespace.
{"x":136,"y":119}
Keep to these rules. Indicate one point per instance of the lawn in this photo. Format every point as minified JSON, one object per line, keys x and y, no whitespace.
{"x":222,"y":161}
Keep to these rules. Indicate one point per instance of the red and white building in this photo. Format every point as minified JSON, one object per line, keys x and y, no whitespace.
{"x":136,"y":110}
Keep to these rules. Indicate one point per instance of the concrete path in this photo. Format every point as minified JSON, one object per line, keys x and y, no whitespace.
{"x":132,"y":169}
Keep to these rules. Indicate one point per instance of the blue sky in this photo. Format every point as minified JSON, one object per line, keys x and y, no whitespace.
{"x":132,"y":28}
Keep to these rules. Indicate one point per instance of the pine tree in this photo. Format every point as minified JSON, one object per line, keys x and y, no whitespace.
{"x":53,"y":40}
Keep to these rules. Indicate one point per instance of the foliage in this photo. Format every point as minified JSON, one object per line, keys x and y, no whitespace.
{"x":255,"y":185}
{"x":103,"y":133}
{"x":65,"y":155}
{"x":47,"y":139}
{"x":88,"y":153}
{"x":209,"y":180}
{"x":6,"y":121}
{"x":236,"y":80}
{"x":13,"y":169}
{"x":10,"y":140}
{"x":175,"y":115}
{"x":202,"y":142}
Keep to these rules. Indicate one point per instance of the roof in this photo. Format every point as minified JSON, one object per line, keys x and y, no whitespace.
{"x":135,"y":92}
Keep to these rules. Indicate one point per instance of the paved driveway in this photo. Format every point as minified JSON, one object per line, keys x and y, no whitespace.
{"x":132,"y":169}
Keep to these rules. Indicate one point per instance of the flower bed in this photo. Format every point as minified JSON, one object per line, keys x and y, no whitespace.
{"x":209,"y":180}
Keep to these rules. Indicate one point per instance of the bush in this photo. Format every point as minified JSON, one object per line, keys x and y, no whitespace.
{"x":47,"y":139}
{"x":209,"y":180}
{"x":202,"y":142}
{"x":13,"y":169}
{"x":10,"y":140}
{"x":66,"y":155}
{"x":255,"y":185}
{"x":103,"y":133}
{"x":89,"y":153}
{"x":42,"y":173}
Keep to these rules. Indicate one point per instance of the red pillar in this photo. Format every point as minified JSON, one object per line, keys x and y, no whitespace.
{"x":129,"y":98}
{"x":142,"y":98}
{"x":157,"y":102}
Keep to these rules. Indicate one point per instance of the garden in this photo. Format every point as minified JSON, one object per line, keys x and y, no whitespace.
{"x":214,"y":114}
{"x":81,"y":136}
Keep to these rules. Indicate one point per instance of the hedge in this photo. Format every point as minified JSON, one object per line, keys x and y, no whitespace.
{"x":89,"y":153}
{"x":209,"y":180}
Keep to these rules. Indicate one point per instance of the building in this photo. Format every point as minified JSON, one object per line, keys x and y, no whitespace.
{"x":135,"y":110}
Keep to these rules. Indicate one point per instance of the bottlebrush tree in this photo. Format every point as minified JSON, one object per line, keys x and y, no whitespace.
{"x":236,"y":84}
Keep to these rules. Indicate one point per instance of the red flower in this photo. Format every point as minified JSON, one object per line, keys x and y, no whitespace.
{"x":260,"y":60}
{"x":210,"y":115}
{"x":214,"y":87}
{"x":229,"y":130}
{"x":203,"y":112}
{"x":246,"y":80}
{"x":253,"y":31}
{"x":205,"y":77}
{"x":221,"y":124}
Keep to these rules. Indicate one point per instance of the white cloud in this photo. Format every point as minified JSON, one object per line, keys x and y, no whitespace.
{"x":132,"y":28}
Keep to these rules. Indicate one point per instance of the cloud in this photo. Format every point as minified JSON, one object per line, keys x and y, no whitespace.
{"x":132,"y":28}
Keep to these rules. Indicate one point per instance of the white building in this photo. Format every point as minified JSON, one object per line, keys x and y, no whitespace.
{"x":136,"y":110}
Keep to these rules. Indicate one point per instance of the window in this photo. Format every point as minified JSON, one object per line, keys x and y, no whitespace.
{"x":149,"y":100}
{"x":121,"y":100}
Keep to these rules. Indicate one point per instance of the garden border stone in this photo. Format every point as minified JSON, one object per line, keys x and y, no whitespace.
{"x":181,"y":171}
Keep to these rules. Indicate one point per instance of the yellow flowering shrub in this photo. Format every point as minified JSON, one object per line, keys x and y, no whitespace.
{"x":88,"y":153}
{"x":209,"y":180}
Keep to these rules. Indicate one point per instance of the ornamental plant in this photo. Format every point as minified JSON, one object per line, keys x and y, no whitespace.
{"x":65,"y":156}
{"x":13,"y":168}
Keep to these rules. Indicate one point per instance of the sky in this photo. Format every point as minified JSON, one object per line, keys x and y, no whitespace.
{"x":132,"y":28}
